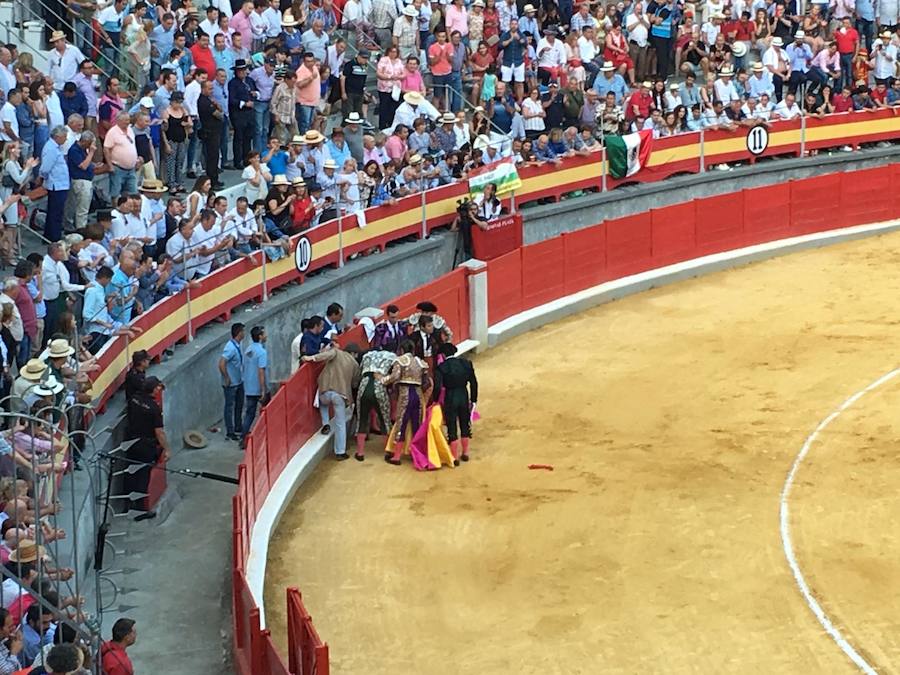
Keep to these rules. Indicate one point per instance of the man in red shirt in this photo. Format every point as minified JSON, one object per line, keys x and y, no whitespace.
{"x":440,"y":58}
{"x":114,"y":659}
{"x":203,"y":56}
{"x":640,"y":103}
{"x":843,"y":102}
{"x":847,"y":39}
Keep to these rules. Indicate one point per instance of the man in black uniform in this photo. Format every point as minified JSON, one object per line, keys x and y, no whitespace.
{"x":454,"y":375}
{"x":241,"y":95}
{"x":134,"y":381}
{"x":210,"y":131}
{"x":145,"y":425}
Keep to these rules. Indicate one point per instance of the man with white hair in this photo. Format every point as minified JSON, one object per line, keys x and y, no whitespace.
{"x":80,"y":158}
{"x":55,"y":172}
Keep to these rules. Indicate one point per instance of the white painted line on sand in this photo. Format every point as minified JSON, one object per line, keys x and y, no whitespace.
{"x":814,"y":605}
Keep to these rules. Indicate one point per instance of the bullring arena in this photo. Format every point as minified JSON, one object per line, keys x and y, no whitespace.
{"x":671,"y":419}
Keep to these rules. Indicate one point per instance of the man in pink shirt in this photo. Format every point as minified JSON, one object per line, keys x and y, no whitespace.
{"x":440,"y":59}
{"x":395,"y":145}
{"x":121,"y":155}
{"x":309,"y":88}
{"x":240,"y":23}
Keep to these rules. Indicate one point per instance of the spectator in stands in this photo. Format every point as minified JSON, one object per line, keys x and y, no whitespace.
{"x":232,"y":372}
{"x":255,"y":378}
{"x":55,"y":172}
{"x":66,"y":659}
{"x":115,"y":659}
{"x":36,"y":632}
{"x":145,"y":425}
{"x":121,"y":155}
{"x":11,"y":644}
{"x":336,"y":383}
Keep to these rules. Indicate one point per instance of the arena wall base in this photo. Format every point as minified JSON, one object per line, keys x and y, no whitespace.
{"x":576,"y":303}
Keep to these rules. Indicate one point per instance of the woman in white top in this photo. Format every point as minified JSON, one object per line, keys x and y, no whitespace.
{"x":533,"y":112}
{"x":199,"y":196}
{"x":489,"y":207}
{"x":257,"y":177}
{"x":461,"y":130}
{"x":14,"y":177}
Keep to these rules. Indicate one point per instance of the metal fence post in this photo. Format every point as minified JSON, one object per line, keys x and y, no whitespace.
{"x":190,"y":326}
{"x":603,"y":169}
{"x":340,"y":219}
{"x":803,"y":135}
{"x":265,"y":288}
{"x":702,"y":153}
{"x":424,"y":217}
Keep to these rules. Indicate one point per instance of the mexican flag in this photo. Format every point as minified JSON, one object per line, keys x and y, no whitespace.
{"x":502,"y":172}
{"x":628,"y":154}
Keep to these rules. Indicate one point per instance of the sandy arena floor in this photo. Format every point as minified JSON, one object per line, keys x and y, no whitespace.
{"x":672,"y":419}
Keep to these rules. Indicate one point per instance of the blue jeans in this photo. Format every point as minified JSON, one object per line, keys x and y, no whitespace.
{"x":846,"y":70}
{"x":263,"y":119}
{"x":41,"y":136}
{"x":250,"y":405}
{"x":305,"y":116}
{"x":456,"y":87}
{"x":122,"y":181}
{"x":272,"y":229}
{"x":866,"y":30}
{"x":193,"y":142}
{"x":234,"y":408}
{"x":326,"y":399}
{"x":24,"y":350}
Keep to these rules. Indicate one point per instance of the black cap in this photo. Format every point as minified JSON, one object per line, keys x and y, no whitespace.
{"x":365,"y":53}
{"x":312,"y":186}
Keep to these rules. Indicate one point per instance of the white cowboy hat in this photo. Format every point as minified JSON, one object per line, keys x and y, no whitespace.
{"x":287,"y":19}
{"x":329,"y":164}
{"x":49,"y":387}
{"x":409,"y":10}
{"x":353,"y":118}
{"x":726,"y":71}
{"x":777,"y":42}
{"x":147,"y":102}
{"x":528,"y":8}
{"x":153,"y":185}
{"x":607,"y":67}
{"x":281,"y":179}
{"x":757,"y":67}
{"x":448,"y":118}
{"x":739,"y":49}
{"x":60,"y":348}
{"x":415,"y":159}
{"x":799,"y":35}
{"x":478,"y":3}
{"x":413,"y":97}
{"x":297,"y":140}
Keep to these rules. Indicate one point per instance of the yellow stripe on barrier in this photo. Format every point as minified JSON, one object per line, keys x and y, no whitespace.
{"x":573,"y":175}
{"x":160,"y":330}
{"x":108,"y":375}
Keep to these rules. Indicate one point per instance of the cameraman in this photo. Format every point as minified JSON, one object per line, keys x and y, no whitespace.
{"x":467,"y":215}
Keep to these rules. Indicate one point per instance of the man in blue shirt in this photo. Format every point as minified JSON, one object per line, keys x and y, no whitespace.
{"x":37,"y":631}
{"x":255,"y":378}
{"x":55,"y":172}
{"x":231,"y":367}
{"x":162,"y":39}
{"x":865,"y":21}
{"x":124,"y":287}
{"x":95,"y":313}
{"x":513,"y":43}
{"x":80,"y":159}
{"x":609,"y":80}
{"x":220,"y":96}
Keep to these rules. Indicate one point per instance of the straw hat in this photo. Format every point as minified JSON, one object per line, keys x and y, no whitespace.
{"x":448,"y":118}
{"x":886,"y":35}
{"x":607,"y":67}
{"x":528,"y":9}
{"x":329,"y":164}
{"x":353,"y":118}
{"x":727,"y":71}
{"x":56,"y":36}
{"x":298,"y":182}
{"x":49,"y":387}
{"x":757,"y":67}
{"x":647,"y":84}
{"x":478,"y":3}
{"x":153,"y":185}
{"x":312,"y":137}
{"x":60,"y":348}
{"x":27,"y":551}
{"x":415,"y":159}
{"x":287,"y":19}
{"x":194,"y":439}
{"x":297,"y":140}
{"x":33,"y":371}
{"x":799,"y":35}
{"x":412,"y":97}
{"x":672,"y":87}
{"x":409,"y":10}
{"x":281,"y":179}
{"x":147,"y":102}
{"x":481,"y":142}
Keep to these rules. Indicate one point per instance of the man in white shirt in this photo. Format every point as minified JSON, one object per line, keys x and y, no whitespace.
{"x":241,"y":224}
{"x":551,"y":56}
{"x":54,"y":281}
{"x":760,"y":81}
{"x":588,"y":50}
{"x":724,"y":88}
{"x":127,"y":224}
{"x":207,"y":241}
{"x":191,"y":96}
{"x":272,"y":15}
{"x":764,"y":108}
{"x":64,"y":60}
{"x":153,"y":212}
{"x":8,"y":120}
{"x":712,"y":28}
{"x":884,"y":59}
{"x":8,"y":297}
{"x":715,"y":118}
{"x":181,"y":249}
{"x":788,"y":108}
{"x":210,"y":25}
{"x":775,"y":60}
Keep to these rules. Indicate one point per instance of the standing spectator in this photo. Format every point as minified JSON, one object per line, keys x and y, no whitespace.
{"x":177,"y":125}
{"x":308,"y":91}
{"x":283,"y":108}
{"x":80,"y":159}
{"x":390,"y":72}
{"x":191,"y":96}
{"x":85,"y":84}
{"x":145,"y":425}
{"x":114,"y":659}
{"x":865,"y":21}
{"x":241,"y":97}
{"x":440,"y":57}
{"x":255,"y":378}
{"x":64,"y":60}
{"x":847,"y":39}
{"x":212,"y":132}
{"x":55,"y":172}
{"x":18,"y":175}
{"x":664,"y":17}
{"x":406,"y":32}
{"x":24,"y":273}
{"x":231,"y":367}
{"x":121,"y":155}
{"x":336,"y":382}
{"x":264,"y":81}
{"x":353,"y":83}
